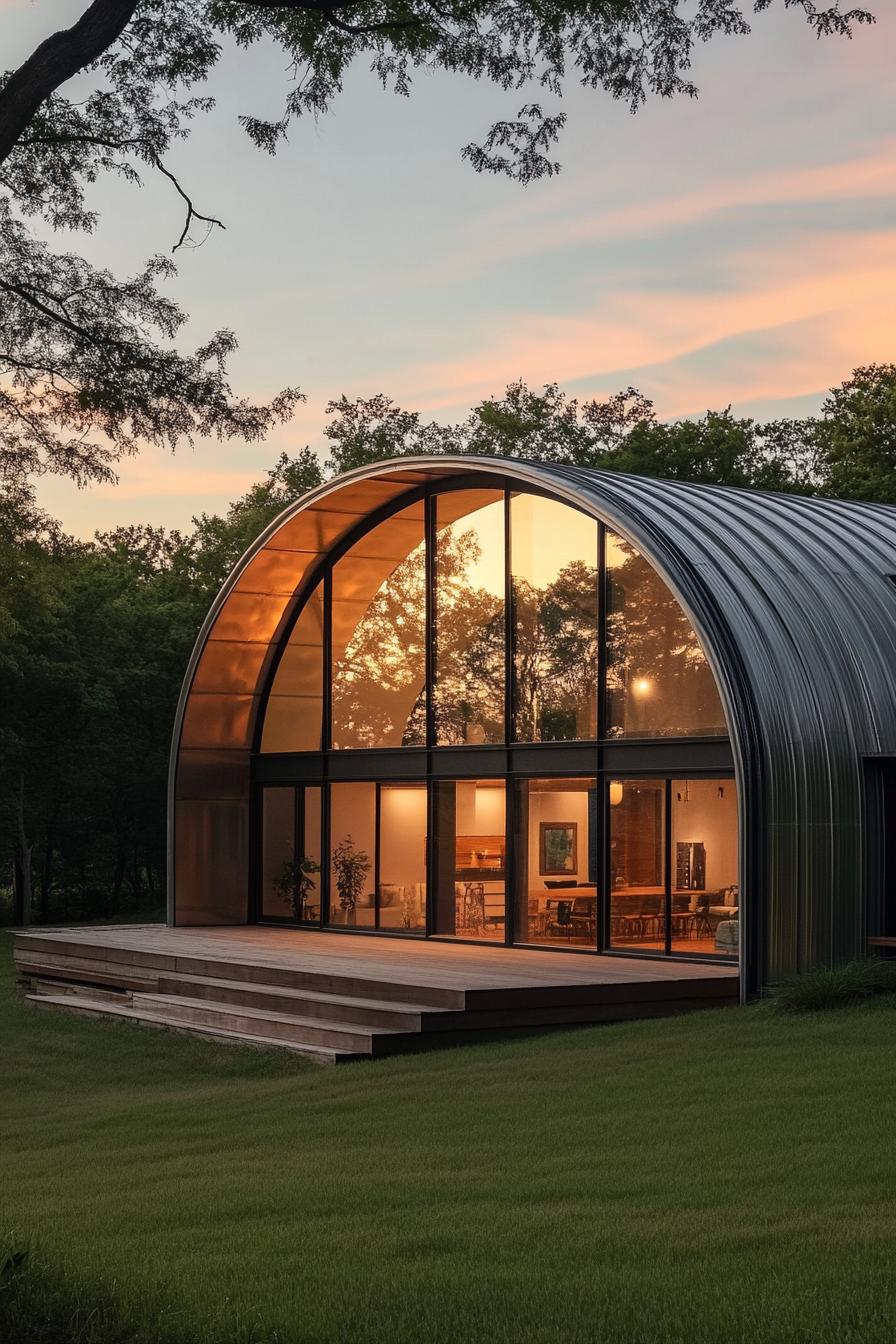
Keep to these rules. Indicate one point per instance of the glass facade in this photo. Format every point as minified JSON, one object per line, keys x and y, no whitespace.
{"x":554,"y":586}
{"x":637,"y":853}
{"x":705,"y":906}
{"x":673,"y":883}
{"x":504,"y":629}
{"x":471,"y":858}
{"x":659,"y":683}
{"x":401,"y":865}
{"x":557,"y":862}
{"x":379,"y":637}
{"x":291,"y":871}
{"x":469,"y":635}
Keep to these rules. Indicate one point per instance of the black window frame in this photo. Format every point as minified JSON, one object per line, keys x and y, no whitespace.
{"x":602,"y":758}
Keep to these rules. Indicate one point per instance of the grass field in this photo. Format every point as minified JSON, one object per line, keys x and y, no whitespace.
{"x":720,"y":1177}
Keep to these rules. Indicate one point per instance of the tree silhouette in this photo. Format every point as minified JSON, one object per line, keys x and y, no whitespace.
{"x":88,"y":359}
{"x":555,"y":656}
{"x":659,"y":683}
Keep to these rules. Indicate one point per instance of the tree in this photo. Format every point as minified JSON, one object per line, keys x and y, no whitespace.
{"x":88,"y":369}
{"x":855,"y":438}
{"x":619,"y":433}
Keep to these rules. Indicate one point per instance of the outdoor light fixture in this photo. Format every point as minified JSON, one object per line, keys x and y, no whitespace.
{"x":616,"y":791}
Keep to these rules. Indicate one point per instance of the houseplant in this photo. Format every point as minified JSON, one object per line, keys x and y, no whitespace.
{"x":295,"y":883}
{"x":350,"y":867}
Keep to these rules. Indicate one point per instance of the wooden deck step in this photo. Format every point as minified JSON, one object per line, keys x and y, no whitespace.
{"x":378,"y":1012}
{"x":46,"y":964}
{"x":266,"y":1022}
{"x":139,"y":968}
{"x":90,"y":1007}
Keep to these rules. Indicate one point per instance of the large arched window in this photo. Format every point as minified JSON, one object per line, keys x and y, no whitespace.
{"x":505,"y":589}
{"x":459,"y":721}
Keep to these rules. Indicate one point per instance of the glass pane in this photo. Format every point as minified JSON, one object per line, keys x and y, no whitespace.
{"x":311,"y":854}
{"x":704,"y":854}
{"x":379,"y":637}
{"x":557,"y":861}
{"x":553,"y":553}
{"x":637,"y":864}
{"x":402,"y":868}
{"x":469,"y":637}
{"x":470,"y":858}
{"x":352,"y":851}
{"x":659,"y":683}
{"x":277,"y":852}
{"x":294,"y":713}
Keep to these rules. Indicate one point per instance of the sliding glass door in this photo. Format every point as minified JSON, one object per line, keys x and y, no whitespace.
{"x":470,"y":859}
{"x":557,"y":862}
{"x":291,"y":854}
{"x":643,"y":865}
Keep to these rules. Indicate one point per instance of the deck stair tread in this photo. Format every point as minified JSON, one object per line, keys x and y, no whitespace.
{"x":300,"y":995}
{"x":104,"y":1008}
{"x":175,"y":1002}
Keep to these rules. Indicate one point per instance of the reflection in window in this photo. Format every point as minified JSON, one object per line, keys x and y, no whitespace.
{"x":556,"y":861}
{"x":705,"y":901}
{"x":352,"y":851}
{"x":554,"y":577}
{"x":659,"y":683}
{"x":278,"y":832}
{"x":468,"y":696}
{"x":379,"y":637}
{"x":401,"y":893}
{"x":637,"y":864}
{"x":295,"y":706}
{"x":471,"y":858}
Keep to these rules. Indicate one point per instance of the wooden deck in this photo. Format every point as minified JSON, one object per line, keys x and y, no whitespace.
{"x":338,"y":996}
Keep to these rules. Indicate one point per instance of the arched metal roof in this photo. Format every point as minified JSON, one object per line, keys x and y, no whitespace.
{"x":795,"y":605}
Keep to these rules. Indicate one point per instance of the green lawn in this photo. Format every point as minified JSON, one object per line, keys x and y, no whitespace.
{"x":720,"y":1177}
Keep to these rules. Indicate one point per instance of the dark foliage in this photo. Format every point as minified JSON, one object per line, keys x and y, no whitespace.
{"x":95,"y":637}
{"x":841,"y":987}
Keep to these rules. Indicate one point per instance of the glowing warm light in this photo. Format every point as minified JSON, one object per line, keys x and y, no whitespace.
{"x":616,"y":792}
{"x":642,"y":686}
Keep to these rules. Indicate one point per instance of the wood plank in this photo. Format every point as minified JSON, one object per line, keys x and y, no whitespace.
{"x":359,"y":995}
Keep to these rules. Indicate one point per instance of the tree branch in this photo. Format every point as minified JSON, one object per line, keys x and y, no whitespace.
{"x":57,"y":60}
{"x":328,"y":9}
{"x":192,"y":212}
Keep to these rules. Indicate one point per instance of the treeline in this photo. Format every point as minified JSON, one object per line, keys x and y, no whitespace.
{"x":95,"y":636}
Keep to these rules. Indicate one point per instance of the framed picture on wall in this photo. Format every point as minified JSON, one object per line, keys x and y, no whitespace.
{"x":557,"y":848}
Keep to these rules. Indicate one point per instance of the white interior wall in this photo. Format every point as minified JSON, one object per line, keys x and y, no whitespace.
{"x":403,"y":835}
{"x":553,"y":806}
{"x":712,"y":820}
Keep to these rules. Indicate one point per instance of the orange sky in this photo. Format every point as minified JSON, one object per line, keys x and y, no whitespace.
{"x":738,"y":249}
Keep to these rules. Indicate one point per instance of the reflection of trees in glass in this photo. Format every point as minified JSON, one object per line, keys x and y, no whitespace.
{"x":658,"y":681}
{"x":555,"y":656}
{"x":379,"y":682}
{"x":468,"y":696}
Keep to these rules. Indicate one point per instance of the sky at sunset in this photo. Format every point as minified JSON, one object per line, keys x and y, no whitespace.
{"x":740,"y":248}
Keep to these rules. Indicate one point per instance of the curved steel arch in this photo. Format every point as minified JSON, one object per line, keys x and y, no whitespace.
{"x":791,"y":598}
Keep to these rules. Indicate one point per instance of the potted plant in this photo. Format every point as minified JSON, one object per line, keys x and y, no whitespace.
{"x":350,"y":867}
{"x":295,"y":883}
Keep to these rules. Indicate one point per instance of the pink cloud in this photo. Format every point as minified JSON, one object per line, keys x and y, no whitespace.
{"x":518,"y":232}
{"x":829,"y":304}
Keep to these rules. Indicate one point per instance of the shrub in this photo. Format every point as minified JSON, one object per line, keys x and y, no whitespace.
{"x":854,"y":982}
